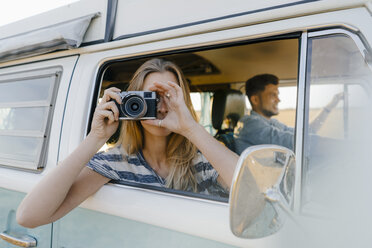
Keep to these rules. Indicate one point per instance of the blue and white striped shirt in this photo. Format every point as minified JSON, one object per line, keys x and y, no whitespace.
{"x":117,"y":165}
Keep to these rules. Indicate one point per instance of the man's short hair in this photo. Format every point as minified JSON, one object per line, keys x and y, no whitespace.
{"x":258,"y":83}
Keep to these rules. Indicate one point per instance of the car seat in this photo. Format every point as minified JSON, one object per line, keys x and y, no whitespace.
{"x":227,"y":108}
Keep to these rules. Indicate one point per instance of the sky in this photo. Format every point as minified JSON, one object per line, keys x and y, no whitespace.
{"x":15,"y":10}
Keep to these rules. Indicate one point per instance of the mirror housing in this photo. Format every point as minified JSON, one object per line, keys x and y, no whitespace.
{"x":261,"y":194}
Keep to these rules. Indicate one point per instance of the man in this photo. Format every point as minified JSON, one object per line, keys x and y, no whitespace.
{"x":258,"y":127}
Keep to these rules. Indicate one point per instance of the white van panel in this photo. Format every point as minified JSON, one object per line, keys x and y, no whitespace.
{"x":133,"y":16}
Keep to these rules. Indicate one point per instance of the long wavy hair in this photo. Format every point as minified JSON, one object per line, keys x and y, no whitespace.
{"x":179,"y":151}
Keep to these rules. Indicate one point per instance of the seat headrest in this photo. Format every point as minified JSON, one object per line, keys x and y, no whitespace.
{"x":227,"y":104}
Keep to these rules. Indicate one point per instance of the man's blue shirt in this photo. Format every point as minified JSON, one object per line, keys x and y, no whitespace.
{"x":255,"y":129}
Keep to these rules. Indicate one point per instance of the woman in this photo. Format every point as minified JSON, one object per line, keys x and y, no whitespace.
{"x":165,"y":148}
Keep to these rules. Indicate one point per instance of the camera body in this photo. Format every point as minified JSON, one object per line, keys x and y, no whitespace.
{"x":137,"y":105}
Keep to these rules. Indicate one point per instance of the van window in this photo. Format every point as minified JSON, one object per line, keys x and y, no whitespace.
{"x":202,"y":102}
{"x":218,"y":74}
{"x":26,"y":105}
{"x":287,"y":105}
{"x":339,"y":83}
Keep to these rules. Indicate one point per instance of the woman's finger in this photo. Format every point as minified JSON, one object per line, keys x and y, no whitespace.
{"x":165,"y":87}
{"x":159,"y":91}
{"x":168,"y":89}
{"x":110,"y":106}
{"x":107,"y":114}
{"x":176,"y":88}
{"x":111,"y":93}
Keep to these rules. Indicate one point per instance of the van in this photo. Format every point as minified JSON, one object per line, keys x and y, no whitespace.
{"x":55,"y":66}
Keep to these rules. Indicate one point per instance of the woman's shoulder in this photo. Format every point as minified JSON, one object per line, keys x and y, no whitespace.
{"x":107,"y":162}
{"x":115,"y":162}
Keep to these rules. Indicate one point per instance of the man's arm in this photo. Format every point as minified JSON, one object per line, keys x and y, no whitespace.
{"x":317,"y":123}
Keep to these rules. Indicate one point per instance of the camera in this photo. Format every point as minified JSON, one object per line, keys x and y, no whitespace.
{"x":137,"y":105}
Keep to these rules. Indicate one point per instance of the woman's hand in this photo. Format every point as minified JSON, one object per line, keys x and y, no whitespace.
{"x":106,"y":116}
{"x":178,"y":119}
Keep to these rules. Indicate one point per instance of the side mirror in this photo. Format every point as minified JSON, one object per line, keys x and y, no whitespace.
{"x":261,"y":194}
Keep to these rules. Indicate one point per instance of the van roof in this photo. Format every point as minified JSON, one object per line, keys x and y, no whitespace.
{"x":124,"y":19}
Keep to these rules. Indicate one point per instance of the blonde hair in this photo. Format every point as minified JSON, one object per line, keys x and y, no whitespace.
{"x":179,"y":151}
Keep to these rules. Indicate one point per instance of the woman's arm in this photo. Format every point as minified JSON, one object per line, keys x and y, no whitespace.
{"x":63,"y":188}
{"x":70,"y":183}
{"x":220,"y":157}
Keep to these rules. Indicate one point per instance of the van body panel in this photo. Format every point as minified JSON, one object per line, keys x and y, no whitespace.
{"x":104,"y":200}
{"x":10,"y":200}
{"x":113,"y":199}
{"x":135,"y":216}
{"x":121,"y":232}
{"x":237,"y":12}
{"x":193,"y":13}
{"x":354,"y":18}
{"x":147,"y":44}
{"x":231,"y":17}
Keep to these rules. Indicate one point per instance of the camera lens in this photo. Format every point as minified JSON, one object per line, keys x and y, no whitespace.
{"x":134,"y":106}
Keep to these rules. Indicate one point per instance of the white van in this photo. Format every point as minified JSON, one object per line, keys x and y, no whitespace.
{"x":55,"y":66}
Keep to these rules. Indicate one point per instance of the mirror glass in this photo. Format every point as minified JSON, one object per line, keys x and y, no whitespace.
{"x":262,"y":191}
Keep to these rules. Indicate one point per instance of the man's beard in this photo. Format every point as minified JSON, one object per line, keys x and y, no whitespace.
{"x":268,"y":113}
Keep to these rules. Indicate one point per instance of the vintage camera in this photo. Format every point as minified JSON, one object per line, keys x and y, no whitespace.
{"x":137,"y":105}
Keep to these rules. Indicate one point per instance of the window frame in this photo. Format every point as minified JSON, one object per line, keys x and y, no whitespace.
{"x":40,"y":162}
{"x":365,"y":51}
{"x":105,"y":63}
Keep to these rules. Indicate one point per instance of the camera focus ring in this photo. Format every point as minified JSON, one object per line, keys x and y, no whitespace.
{"x":134,"y":106}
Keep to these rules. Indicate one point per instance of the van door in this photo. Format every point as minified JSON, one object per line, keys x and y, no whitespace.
{"x":338,"y":69}
{"x":32,"y":103}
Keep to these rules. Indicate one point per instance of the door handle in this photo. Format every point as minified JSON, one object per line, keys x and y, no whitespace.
{"x":19,"y":239}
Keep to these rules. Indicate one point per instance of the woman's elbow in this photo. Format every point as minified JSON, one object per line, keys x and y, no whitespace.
{"x":25,"y":219}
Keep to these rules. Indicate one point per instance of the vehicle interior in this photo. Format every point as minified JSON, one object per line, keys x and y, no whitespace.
{"x":220,"y":70}
{"x":217,"y":76}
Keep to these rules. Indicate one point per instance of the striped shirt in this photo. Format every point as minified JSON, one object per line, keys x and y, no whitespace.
{"x":120,"y":167}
